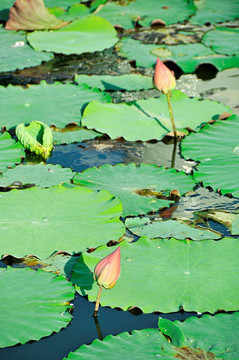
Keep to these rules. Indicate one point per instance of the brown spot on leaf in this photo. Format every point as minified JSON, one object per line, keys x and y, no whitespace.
{"x":187,"y":353}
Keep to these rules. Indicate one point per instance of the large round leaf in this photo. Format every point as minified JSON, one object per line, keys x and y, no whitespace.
{"x":58,"y":218}
{"x":194,"y":338}
{"x":149,"y":119}
{"x":138,"y":187}
{"x":167,"y":229}
{"x":12,"y":152}
{"x":217,"y":148}
{"x":58,"y":104}
{"x":89,"y":34}
{"x":40,"y":175}
{"x":223,"y":40}
{"x":165,"y":275}
{"x":33,"y":304}
{"x":16,"y":53}
{"x":144,"y":12}
{"x":187,"y":56}
{"x":215,"y":12}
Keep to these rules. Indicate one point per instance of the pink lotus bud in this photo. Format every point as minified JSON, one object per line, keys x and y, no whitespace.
{"x":164,"y":79}
{"x":107,"y":270}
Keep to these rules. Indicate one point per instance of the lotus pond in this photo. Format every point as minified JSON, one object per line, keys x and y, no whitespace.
{"x":89,"y":163}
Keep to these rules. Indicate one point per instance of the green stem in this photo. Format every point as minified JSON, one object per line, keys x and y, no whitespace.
{"x":174,"y":153}
{"x":171,"y":113}
{"x":97,"y":304}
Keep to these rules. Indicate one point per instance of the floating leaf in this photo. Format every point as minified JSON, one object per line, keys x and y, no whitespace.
{"x":60,"y":3}
{"x":121,"y":82}
{"x":216,"y":146}
{"x":198,"y":276}
{"x":187,"y":57}
{"x":167,"y":229}
{"x":16,"y":53}
{"x":209,"y":11}
{"x":228,"y":219}
{"x":36,"y":137}
{"x":34,"y":305}
{"x":75,"y":11}
{"x":89,"y":34}
{"x":12,"y":152}
{"x":194,"y":338}
{"x":39,"y":175}
{"x":140,"y":188}
{"x":63,"y":103}
{"x":149,"y":119}
{"x":49,"y":220}
{"x":68,"y":137}
{"x":32,"y":15}
{"x":223,"y":40}
{"x":145,"y":12}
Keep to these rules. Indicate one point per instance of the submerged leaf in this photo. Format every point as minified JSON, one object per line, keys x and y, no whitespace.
{"x":36,"y":137}
{"x":32,"y":15}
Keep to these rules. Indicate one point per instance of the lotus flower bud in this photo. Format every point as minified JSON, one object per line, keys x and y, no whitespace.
{"x":107,"y":270}
{"x":164,"y":79}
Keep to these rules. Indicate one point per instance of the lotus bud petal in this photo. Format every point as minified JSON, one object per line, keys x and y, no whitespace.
{"x":164,"y":79}
{"x":107,"y":271}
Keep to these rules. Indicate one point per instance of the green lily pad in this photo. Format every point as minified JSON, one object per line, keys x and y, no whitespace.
{"x":144,"y":12}
{"x":36,"y":306}
{"x":165,"y":275}
{"x":121,"y":82}
{"x":63,"y":103}
{"x":12,"y":152}
{"x":194,"y":338}
{"x":223,"y":40}
{"x":228,"y":219}
{"x":140,"y":188}
{"x":75,"y":11}
{"x":58,"y":218}
{"x":149,"y":119}
{"x":187,"y":57}
{"x":36,"y":137}
{"x":60,"y":3}
{"x":68,"y":137}
{"x":167,"y":229}
{"x":216,"y":146}
{"x":215,"y":12}
{"x":16,"y":53}
{"x":40,"y":175}
{"x":89,"y":34}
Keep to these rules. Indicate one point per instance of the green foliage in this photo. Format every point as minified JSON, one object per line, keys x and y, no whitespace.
{"x":149,"y":119}
{"x":167,"y":275}
{"x":223,"y":40}
{"x":12,"y":152}
{"x":36,"y":137}
{"x":140,"y":188}
{"x":63,"y":136}
{"x":58,"y":218}
{"x":33,"y":304}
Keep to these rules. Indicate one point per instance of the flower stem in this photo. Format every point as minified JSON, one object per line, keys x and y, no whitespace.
{"x":97,"y":304}
{"x":171,"y":113}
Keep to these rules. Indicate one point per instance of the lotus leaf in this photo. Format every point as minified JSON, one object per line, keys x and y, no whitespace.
{"x":36,"y":137}
{"x":32,"y":15}
{"x":145,"y":12}
{"x":58,"y":218}
{"x":34,"y":304}
{"x":40,"y":175}
{"x":89,"y":34}
{"x":12,"y":152}
{"x":202,"y":338}
{"x":228,"y":219}
{"x":16,"y":53}
{"x":60,"y":3}
{"x":223,"y":40}
{"x":68,"y":137}
{"x":140,"y":188}
{"x":167,"y":229}
{"x":121,"y":82}
{"x":149,"y":119}
{"x":197,"y":276}
{"x":75,"y":11}
{"x":187,"y":57}
{"x":216,"y":146}
{"x":215,"y":11}
{"x":63,"y":103}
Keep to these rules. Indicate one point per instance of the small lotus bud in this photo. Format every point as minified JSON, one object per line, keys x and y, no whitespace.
{"x":164,"y":79}
{"x":107,"y":271}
